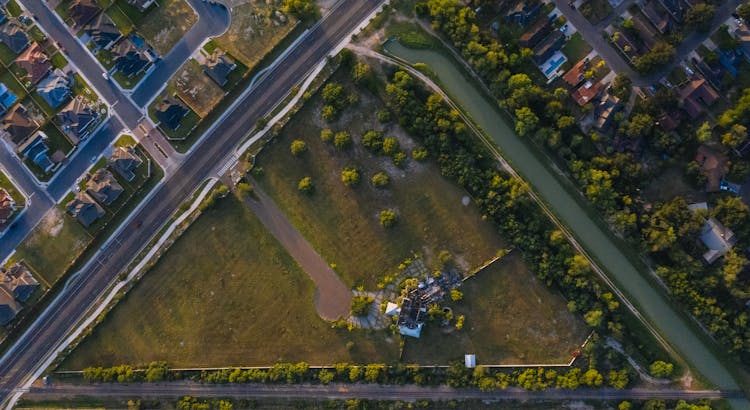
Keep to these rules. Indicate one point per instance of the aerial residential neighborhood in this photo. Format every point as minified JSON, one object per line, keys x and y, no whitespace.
{"x":358,"y":204}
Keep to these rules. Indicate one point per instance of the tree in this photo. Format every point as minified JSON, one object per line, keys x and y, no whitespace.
{"x":699,"y":17}
{"x":660,"y":55}
{"x":301,"y":8}
{"x":350,"y":176}
{"x":326,"y":376}
{"x":456,"y":295}
{"x":373,"y":141}
{"x":593,"y":318}
{"x":735,"y":136}
{"x":380,"y":180}
{"x":362,"y":73}
{"x":460,"y":322}
{"x":419,"y":154}
{"x":390,"y":146}
{"x":298,"y":147}
{"x":704,"y":132}
{"x":342,"y":140}
{"x":244,"y":189}
{"x":388,"y":218}
{"x":661,"y":369}
{"x":326,"y":135}
{"x":361,"y":305}
{"x":744,"y":11}
{"x":526,"y":121}
{"x":618,"y":379}
{"x":621,"y":86}
{"x":306,"y":185}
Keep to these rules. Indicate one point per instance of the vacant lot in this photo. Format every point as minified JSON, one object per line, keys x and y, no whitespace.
{"x":225,"y":294}
{"x":53,"y":245}
{"x":672,"y":183}
{"x":163,"y":26}
{"x":255,"y":29}
{"x":511,"y":318}
{"x":195,"y":88}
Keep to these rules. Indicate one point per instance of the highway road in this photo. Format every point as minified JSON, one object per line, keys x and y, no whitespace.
{"x":358,"y":391}
{"x":44,"y":335}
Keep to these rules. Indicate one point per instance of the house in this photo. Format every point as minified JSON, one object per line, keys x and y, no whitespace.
{"x":101,"y":33}
{"x":586,"y":93}
{"x":604,"y":111}
{"x":7,"y":98}
{"x":76,"y":118}
{"x":392,"y":309}
{"x":547,"y":47}
{"x":141,"y":5}
{"x":742,"y":35}
{"x":18,"y":125}
{"x":9,"y":308}
{"x":128,"y":58}
{"x":14,"y":36}
{"x":7,"y":206}
{"x":124,"y":160}
{"x":655,"y":16}
{"x":717,"y":238}
{"x":55,"y":88}
{"x":20,"y":282}
{"x":576,"y":75}
{"x":536,"y":33}
{"x":713,"y":74}
{"x":524,"y":12}
{"x":34,"y":62}
{"x":695,"y":95}
{"x":36,"y":149}
{"x":83,"y":11}
{"x":85,"y":209}
{"x":170,"y":112}
{"x":218,"y":66}
{"x":103,"y":187}
{"x":730,"y":60}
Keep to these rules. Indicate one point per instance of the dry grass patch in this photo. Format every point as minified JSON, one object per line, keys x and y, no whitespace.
{"x":195,"y":88}
{"x":163,"y":26}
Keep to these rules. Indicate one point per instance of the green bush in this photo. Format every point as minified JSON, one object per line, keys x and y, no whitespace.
{"x":350,"y":176}
{"x":342,"y":140}
{"x":326,"y":135}
{"x":381,"y":180}
{"x":306,"y":185}
{"x":298,"y":147}
{"x":361,"y":305}
{"x":388,"y":218}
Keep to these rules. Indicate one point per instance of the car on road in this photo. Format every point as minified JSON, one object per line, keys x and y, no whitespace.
{"x":105,"y":76}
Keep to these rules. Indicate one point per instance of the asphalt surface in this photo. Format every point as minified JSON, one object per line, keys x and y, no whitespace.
{"x":210,"y":154}
{"x":213,"y":20}
{"x":358,"y":391}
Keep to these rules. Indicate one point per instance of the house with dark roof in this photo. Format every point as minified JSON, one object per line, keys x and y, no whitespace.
{"x":36,"y":149}
{"x":103,"y":187}
{"x":669,"y":121}
{"x":697,"y":95}
{"x":656,"y":16}
{"x":34,"y":62}
{"x":170,"y":112}
{"x":9,"y":308}
{"x":124,"y":161}
{"x":18,"y":125}
{"x":577,"y":73}
{"x":7,"y":206}
{"x":524,"y":12}
{"x":101,"y":33}
{"x":84,"y":209}
{"x":141,"y":5}
{"x":83,"y":11}
{"x":7,"y":98}
{"x":218,"y":66}
{"x":605,"y":109}
{"x":14,"y":36}
{"x":55,"y":88}
{"x":128,"y":58}
{"x":536,"y":33}
{"x":20,"y":282}
{"x":586,"y":93}
{"x":547,"y":47}
{"x":77,"y":118}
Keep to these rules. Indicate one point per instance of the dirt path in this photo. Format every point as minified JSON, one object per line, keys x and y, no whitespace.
{"x":332,"y":297}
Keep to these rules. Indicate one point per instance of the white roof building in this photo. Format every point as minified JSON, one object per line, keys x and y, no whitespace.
{"x":392,"y":309}
{"x":470,"y":361}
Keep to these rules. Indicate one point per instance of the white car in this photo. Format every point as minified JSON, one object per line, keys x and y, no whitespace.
{"x":105,"y":76}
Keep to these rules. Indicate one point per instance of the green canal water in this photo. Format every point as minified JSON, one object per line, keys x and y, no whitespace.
{"x":651,"y":303}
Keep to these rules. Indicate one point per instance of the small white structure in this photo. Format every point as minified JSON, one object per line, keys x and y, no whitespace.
{"x":470,"y":361}
{"x":392,"y":309}
{"x":414,"y":331}
{"x":698,"y":206}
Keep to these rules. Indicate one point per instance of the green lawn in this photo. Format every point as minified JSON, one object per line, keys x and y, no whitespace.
{"x":81,"y":87}
{"x":237,"y":299}
{"x":196,"y":89}
{"x":53,"y":245}
{"x":125,"y":140}
{"x":511,"y":318}
{"x":59,"y":61}
{"x":342,"y":223}
{"x":11,"y":189}
{"x":163,"y":26}
{"x":13,"y":8}
{"x":595,"y":10}
{"x":411,"y":35}
{"x":57,"y":140}
{"x":7,"y":56}
{"x":128,"y":82}
{"x":120,"y":19}
{"x":576,"y":48}
{"x":7,"y":78}
{"x":36,"y":34}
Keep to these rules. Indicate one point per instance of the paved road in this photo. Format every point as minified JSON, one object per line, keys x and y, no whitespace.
{"x":32,"y":349}
{"x":359,"y":391}
{"x":332,"y":297}
{"x":213,"y":20}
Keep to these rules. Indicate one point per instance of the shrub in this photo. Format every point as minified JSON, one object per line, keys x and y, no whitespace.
{"x":326,"y":135}
{"x":661,"y":369}
{"x":244,"y":189}
{"x":298,"y":147}
{"x":445,"y":259}
{"x":419,"y":154}
{"x":399,"y":159}
{"x":329,"y":113}
{"x":388,"y":218}
{"x":390,"y":146}
{"x":385,"y":116}
{"x":361,"y":305}
{"x":342,"y":140}
{"x":373,"y":141}
{"x":350,"y":176}
{"x":306,"y":185}
{"x":380,"y":180}
{"x":456,"y":295}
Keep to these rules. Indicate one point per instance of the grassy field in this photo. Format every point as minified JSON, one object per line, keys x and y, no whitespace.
{"x":254,"y":31}
{"x":237,"y":299}
{"x":672,"y":183}
{"x":163,"y":26}
{"x":53,"y":245}
{"x":195,"y":88}
{"x":511,"y":318}
{"x":576,"y":48}
{"x":342,"y":223}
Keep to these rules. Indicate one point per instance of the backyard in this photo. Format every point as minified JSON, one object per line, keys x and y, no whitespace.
{"x":195,"y":88}
{"x":7,"y":185}
{"x":255,"y":30}
{"x":163,"y":26}
{"x":236,"y":299}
